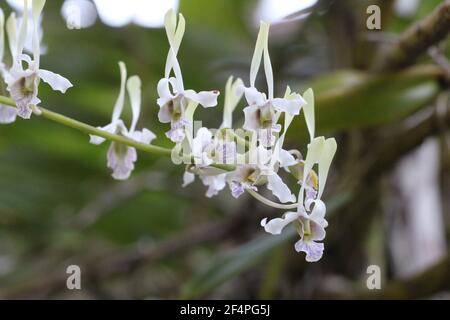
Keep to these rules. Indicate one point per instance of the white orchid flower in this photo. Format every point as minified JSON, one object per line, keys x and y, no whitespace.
{"x":206,"y":150}
{"x":215,"y":183}
{"x":173,"y":98}
{"x":249,"y":176}
{"x":23,"y":84}
{"x":264,"y":168}
{"x":7,"y":114}
{"x":121,"y":158}
{"x":262,"y":112}
{"x":312,"y":221}
{"x":311,"y":229}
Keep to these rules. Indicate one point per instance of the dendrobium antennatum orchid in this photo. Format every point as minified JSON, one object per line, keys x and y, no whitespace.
{"x":310,"y":214}
{"x":121,"y":158}
{"x":7,"y":114}
{"x":263,"y":112}
{"x":246,"y":159}
{"x":173,"y":98}
{"x":23,"y":83}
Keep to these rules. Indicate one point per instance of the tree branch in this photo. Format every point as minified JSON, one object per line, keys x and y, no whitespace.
{"x":430,"y":281}
{"x":416,"y":40}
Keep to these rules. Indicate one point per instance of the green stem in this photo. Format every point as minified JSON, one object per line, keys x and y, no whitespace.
{"x":83,"y":127}
{"x":270,"y":203}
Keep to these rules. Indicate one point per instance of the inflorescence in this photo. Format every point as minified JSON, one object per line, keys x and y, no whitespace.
{"x":245,"y":159}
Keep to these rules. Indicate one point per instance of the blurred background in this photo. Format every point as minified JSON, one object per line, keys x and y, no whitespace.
{"x":148,"y":238}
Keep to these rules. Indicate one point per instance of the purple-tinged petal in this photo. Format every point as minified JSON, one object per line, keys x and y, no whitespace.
{"x":313,"y":250}
{"x":176,"y":135}
{"x":236,"y":189}
{"x":121,"y":160}
{"x":7,"y":114}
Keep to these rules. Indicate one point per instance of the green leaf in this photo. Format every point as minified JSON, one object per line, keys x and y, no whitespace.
{"x":351,"y":99}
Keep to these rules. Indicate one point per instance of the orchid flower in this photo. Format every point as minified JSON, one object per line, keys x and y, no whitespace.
{"x":173,"y":98}
{"x":310,"y":227}
{"x":251,"y":175}
{"x":121,"y":158}
{"x":23,"y":84}
{"x":7,"y":114}
{"x":265,"y":167}
{"x":310,"y":221}
{"x":206,"y":150}
{"x":262,"y":112}
{"x":215,"y":180}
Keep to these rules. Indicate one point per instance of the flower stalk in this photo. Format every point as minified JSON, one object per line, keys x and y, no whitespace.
{"x":86,"y":128}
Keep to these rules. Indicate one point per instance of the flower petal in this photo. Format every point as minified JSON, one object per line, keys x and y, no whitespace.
{"x":206,"y":98}
{"x":118,"y":106}
{"x":164,"y":89}
{"x":279,"y":188}
{"x":164,"y":115}
{"x":134,"y":92}
{"x":233,"y":95}
{"x":319,"y":209}
{"x":276,"y":226}
{"x":121,"y":160}
{"x":144,"y":136}
{"x":110,"y":128}
{"x":286,"y":159}
{"x":188,"y":178}
{"x":254,"y":97}
{"x":308,"y":110}
{"x":176,"y":134}
{"x":251,"y":121}
{"x":38,"y":6}
{"x":289,"y":106}
{"x":22,"y":36}
{"x":313,"y":250}
{"x":214,"y":184}
{"x":7,"y":114}
{"x":329,"y":149}
{"x":236,"y":188}
{"x":2,"y":35}
{"x":11,"y":30}
{"x":259,"y":47}
{"x":56,"y":81}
